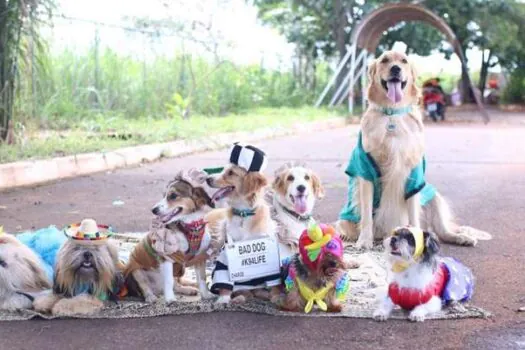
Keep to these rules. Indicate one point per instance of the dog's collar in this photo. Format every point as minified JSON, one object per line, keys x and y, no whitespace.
{"x":194,"y":232}
{"x":394,"y":112}
{"x":243,"y":213}
{"x":312,"y":296}
{"x":296,"y":215}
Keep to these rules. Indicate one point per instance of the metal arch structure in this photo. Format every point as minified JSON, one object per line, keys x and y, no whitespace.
{"x":366,"y":37}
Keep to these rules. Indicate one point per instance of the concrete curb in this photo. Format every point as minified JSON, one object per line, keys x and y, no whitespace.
{"x":27,"y":173}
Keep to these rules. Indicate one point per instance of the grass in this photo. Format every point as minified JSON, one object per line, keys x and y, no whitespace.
{"x":92,"y":135}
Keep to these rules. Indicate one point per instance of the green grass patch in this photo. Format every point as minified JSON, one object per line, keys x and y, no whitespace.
{"x":95,"y":135}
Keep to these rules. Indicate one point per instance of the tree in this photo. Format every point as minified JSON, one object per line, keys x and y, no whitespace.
{"x":14,"y":17}
{"x":491,"y":25}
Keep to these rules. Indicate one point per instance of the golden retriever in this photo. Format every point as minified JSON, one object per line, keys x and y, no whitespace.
{"x":392,"y":140}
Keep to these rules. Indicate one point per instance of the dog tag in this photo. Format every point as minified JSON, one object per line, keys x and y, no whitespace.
{"x":391,"y":125}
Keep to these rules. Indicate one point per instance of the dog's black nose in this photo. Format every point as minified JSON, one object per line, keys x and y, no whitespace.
{"x":301,"y":188}
{"x":87,"y":255}
{"x":395,"y":71}
{"x":155,"y":211}
{"x":209,"y":181}
{"x":393,"y":242}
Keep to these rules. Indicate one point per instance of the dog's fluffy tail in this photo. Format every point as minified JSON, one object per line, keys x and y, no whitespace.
{"x":437,"y":217}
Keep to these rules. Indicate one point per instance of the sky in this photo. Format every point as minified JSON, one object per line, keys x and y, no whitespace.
{"x":244,"y":39}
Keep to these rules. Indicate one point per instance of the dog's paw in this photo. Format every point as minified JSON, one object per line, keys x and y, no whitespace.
{"x":335,"y":307}
{"x":417,"y":315}
{"x":365,"y":244}
{"x":223,"y":299}
{"x":185,"y":290}
{"x":381,"y":315}
{"x":467,"y":241}
{"x":207,"y":295}
{"x":239,"y":299}
{"x":151,"y":298}
{"x":169,"y":298}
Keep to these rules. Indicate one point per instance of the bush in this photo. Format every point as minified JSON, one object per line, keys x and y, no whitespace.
{"x":69,"y":87}
{"x":515,"y":89}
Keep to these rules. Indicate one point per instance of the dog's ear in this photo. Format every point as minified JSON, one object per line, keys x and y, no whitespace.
{"x":254,"y":182}
{"x":373,"y":93}
{"x":414,"y":90}
{"x":317,"y":186}
{"x":432,"y":246}
{"x":279,"y":183}
{"x":372,"y":68}
{"x":201,"y":198}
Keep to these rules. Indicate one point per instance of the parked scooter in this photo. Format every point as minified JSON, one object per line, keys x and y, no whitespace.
{"x":434,"y":100}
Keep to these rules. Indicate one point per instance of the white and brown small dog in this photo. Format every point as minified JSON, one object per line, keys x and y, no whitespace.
{"x":87,"y":272}
{"x":178,"y":235}
{"x":21,"y":274}
{"x":421,"y":282}
{"x":295,"y":191}
{"x":247,"y":217}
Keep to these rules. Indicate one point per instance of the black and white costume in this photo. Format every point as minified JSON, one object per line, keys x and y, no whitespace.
{"x":251,"y":159}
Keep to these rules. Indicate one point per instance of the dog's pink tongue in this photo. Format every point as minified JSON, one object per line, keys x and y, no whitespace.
{"x":300,"y":204}
{"x":395,"y":93}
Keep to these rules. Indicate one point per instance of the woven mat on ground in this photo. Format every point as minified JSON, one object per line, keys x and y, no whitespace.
{"x":367,"y":282}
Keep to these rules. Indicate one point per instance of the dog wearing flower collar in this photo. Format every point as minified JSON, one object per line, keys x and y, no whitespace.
{"x":178,"y":237}
{"x":247,"y":217}
{"x":387,"y":186}
{"x":421,"y":282}
{"x":316,"y":275}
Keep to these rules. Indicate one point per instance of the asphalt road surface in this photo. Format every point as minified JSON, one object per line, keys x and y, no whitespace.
{"x":480,"y":169}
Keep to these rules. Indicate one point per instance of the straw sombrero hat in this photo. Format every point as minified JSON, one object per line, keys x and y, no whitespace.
{"x":88,"y":230}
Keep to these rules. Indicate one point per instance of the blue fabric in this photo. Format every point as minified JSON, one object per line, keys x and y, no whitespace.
{"x":45,"y":243}
{"x":364,"y":166}
{"x":460,"y":284}
{"x":395,"y":112}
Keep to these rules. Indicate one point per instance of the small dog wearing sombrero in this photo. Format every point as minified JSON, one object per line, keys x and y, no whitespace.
{"x":178,"y":236}
{"x":422,"y":282}
{"x":87,"y":272}
{"x":315,"y":275}
{"x":22,"y":276}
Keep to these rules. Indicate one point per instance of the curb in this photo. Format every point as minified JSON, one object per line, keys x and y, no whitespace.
{"x":27,"y":173}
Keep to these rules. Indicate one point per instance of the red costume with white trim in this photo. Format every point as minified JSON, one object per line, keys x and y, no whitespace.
{"x":409,"y":298}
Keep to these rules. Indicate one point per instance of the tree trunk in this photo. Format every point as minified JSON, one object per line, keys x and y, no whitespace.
{"x":466,"y":89}
{"x":5,"y":98}
{"x":484,"y":72}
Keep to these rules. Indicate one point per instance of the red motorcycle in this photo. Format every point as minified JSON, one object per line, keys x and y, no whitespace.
{"x":434,"y":100}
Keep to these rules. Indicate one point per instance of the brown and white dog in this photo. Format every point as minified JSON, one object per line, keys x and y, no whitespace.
{"x":87,"y":274}
{"x":177,"y":236}
{"x":295,"y":191}
{"x":392,"y":137}
{"x":247,"y":217}
{"x":21,"y":274}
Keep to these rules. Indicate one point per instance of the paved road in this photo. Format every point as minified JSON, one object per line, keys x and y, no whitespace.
{"x":481,"y":169}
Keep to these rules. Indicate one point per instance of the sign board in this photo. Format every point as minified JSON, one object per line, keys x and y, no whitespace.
{"x":253,"y":259}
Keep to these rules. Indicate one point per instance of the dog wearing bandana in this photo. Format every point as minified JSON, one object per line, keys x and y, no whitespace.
{"x":421,"y":281}
{"x":316,"y":275}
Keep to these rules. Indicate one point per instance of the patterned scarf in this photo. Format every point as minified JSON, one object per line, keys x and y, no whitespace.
{"x":194,"y":232}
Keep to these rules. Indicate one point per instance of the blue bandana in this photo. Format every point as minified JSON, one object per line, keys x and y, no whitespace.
{"x":363,"y":165}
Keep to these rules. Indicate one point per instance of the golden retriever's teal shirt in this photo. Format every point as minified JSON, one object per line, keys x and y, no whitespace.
{"x":363,"y":165}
